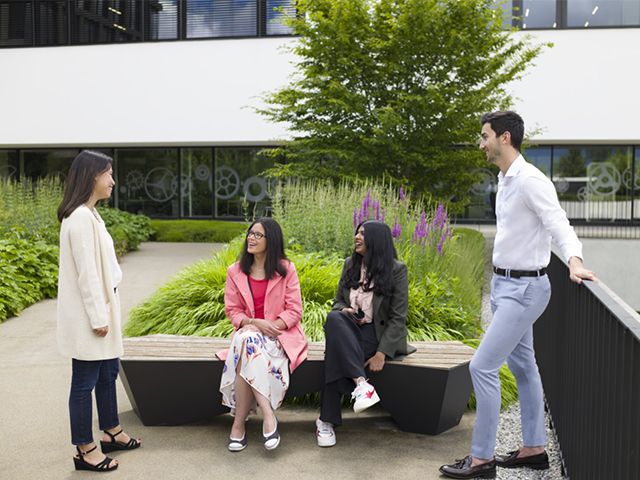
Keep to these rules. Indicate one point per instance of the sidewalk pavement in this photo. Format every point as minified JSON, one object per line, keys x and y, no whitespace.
{"x":34,"y":418}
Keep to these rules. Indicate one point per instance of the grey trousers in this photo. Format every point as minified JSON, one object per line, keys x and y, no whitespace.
{"x":516,"y":305}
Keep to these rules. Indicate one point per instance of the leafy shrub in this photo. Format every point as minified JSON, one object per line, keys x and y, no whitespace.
{"x":196,"y":230}
{"x":127,"y":229}
{"x":28,"y":273}
{"x":29,"y":236}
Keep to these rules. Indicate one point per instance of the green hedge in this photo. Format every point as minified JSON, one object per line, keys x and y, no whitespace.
{"x":28,"y":274}
{"x":214,"y":231}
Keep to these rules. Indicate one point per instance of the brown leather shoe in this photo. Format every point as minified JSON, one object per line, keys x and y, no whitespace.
{"x":463,"y":469}
{"x":511,"y":460}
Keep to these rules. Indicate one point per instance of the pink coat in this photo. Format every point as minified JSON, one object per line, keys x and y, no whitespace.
{"x":282,"y":301}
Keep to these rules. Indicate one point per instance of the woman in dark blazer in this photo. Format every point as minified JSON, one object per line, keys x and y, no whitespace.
{"x":368,"y":324}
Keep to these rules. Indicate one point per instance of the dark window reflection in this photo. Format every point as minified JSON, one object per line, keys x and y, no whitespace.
{"x":47,"y":163}
{"x":9,"y":165}
{"x":196,"y":182}
{"x":240,"y":189}
{"x":148,"y":181}
{"x":540,"y":157}
{"x":16,"y":24}
{"x":602,"y":13}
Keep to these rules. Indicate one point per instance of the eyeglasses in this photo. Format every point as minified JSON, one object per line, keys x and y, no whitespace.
{"x":256,"y":235}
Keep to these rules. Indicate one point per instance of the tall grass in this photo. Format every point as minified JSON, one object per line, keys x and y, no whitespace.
{"x":28,"y":208}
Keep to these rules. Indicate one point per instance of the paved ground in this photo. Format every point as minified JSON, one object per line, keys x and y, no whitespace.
{"x":35,"y":439}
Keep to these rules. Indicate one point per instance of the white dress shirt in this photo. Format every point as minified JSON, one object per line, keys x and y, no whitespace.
{"x":528,"y":217}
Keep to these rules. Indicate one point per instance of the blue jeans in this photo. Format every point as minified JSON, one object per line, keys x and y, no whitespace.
{"x":87,"y":375}
{"x":516,"y":303}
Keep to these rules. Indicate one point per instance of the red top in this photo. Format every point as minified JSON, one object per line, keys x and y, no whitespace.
{"x":259,"y":291}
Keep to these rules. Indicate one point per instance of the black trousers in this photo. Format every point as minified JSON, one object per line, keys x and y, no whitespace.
{"x":348,"y":346}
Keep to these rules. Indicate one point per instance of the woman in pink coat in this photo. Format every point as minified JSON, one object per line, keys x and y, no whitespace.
{"x":262,"y":300}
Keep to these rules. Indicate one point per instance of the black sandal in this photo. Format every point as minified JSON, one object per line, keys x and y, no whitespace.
{"x":82,"y":464}
{"x":113,"y":445}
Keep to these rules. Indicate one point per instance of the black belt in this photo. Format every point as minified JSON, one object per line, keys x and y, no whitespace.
{"x":519,"y":273}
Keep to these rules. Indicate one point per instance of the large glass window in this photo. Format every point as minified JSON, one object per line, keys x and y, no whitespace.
{"x":538,"y":14}
{"x":240,"y":189}
{"x":162,"y":20}
{"x":602,"y":13}
{"x":148,"y":181}
{"x":222,"y":18}
{"x":590,"y":182}
{"x":106,"y":21}
{"x":277,"y":10}
{"x":196,"y":182}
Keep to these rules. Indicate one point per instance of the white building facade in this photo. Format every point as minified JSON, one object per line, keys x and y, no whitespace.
{"x":173,"y":101}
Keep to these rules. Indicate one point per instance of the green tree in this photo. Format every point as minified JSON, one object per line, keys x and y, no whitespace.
{"x":390,"y":86}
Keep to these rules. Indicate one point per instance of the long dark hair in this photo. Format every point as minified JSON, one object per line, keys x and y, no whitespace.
{"x":379,"y":255}
{"x":275,"y":250}
{"x":82,"y":180}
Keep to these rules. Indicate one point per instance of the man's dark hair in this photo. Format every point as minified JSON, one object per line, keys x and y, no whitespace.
{"x":506,"y":121}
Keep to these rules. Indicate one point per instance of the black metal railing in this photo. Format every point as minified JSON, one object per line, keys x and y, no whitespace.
{"x":588,"y":352}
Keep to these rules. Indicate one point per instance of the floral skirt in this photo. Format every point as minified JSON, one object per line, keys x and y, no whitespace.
{"x":263,"y":364}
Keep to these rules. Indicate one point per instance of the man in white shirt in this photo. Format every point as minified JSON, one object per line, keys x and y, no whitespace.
{"x":528,"y":216}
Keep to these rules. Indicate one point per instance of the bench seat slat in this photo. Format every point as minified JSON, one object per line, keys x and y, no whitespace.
{"x":186,"y":348}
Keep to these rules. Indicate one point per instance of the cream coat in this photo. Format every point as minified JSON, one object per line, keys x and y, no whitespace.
{"x":86,"y":299}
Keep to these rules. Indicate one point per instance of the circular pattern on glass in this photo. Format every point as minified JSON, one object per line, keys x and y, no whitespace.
{"x":604,"y":179}
{"x":561,"y":184}
{"x":626,"y":179}
{"x":160,"y":184}
{"x":202,"y":172}
{"x":249,"y":182}
{"x":583,"y":194}
{"x":227,"y":183}
{"x":134,"y":180}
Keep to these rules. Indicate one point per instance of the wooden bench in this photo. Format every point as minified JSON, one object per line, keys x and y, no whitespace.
{"x":172,"y":380}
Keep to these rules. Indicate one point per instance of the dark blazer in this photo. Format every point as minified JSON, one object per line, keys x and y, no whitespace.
{"x":389,"y":313}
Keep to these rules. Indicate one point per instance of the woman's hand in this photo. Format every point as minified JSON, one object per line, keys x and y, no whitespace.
{"x":351,"y":313}
{"x":375,"y":363}
{"x":101,"y":332}
{"x":266,"y":327}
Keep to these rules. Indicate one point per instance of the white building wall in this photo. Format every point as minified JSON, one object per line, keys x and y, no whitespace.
{"x":583,"y":90}
{"x":586,"y":89}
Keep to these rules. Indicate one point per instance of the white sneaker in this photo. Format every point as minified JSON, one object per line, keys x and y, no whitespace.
{"x":325,"y":434}
{"x":365,"y":396}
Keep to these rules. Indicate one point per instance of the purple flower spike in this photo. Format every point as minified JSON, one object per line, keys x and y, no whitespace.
{"x":402,"y":195}
{"x":397,"y":230}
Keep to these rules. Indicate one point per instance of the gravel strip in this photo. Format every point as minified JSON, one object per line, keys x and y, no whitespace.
{"x":509,"y":428}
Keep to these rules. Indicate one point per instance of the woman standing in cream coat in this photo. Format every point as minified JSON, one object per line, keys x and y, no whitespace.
{"x":89,"y":311}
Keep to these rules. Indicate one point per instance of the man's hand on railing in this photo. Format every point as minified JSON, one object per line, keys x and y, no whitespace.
{"x":577,"y":272}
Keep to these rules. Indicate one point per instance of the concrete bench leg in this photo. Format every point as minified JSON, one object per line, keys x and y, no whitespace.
{"x":424,"y":400}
